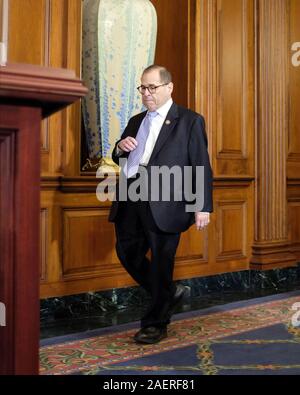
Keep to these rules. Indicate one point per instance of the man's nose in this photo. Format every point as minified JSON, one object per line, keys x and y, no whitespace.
{"x":146,"y":93}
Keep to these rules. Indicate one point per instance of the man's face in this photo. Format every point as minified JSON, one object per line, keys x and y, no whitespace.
{"x":152,"y":101}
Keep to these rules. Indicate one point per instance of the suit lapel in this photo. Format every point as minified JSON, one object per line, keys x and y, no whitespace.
{"x":168,"y":126}
{"x":134,"y":130}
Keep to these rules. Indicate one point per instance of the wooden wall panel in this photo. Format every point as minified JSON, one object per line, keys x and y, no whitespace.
{"x":226,"y":244}
{"x":57,"y":44}
{"x":209,"y":45}
{"x":293,"y":167}
{"x":232,"y":221}
{"x":193,"y":245}
{"x":82,"y":247}
{"x":51,"y":229}
{"x":28,"y":31}
{"x":175,"y":45}
{"x":48,"y":33}
{"x":235,"y":122}
{"x":293,"y":194}
{"x":224,"y":78}
{"x":28,"y":42}
{"x":293,"y":160}
{"x":230,"y":136}
{"x":234,"y":205}
{"x":294,"y":229}
{"x":72,"y":131}
{"x":65,"y":51}
{"x":88,"y":242}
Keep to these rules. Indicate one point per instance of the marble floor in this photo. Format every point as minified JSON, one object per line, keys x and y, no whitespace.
{"x":80,"y":313}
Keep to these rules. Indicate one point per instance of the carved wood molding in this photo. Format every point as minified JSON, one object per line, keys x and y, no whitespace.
{"x":232,"y":182}
{"x":293,"y":182}
{"x":86,"y":184}
{"x":224,"y":82}
{"x":70,"y":184}
{"x":273,"y":255}
{"x":7,"y":189}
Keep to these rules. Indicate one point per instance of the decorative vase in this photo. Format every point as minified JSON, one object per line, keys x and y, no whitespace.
{"x":119,"y":38}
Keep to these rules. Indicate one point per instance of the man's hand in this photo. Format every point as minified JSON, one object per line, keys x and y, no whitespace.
{"x":201,"y":220}
{"x":128,"y":144}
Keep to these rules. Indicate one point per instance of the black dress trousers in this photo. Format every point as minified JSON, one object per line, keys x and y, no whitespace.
{"x":136,"y":234}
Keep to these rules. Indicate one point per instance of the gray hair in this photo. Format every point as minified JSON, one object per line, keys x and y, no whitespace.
{"x":165,"y":75}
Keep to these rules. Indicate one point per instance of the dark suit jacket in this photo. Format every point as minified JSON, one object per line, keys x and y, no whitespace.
{"x":181,"y":142}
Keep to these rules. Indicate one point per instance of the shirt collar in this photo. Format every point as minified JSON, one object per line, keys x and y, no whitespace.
{"x":164,"y":109}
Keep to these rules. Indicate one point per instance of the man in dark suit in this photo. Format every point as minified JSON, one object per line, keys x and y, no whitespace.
{"x":163,"y":137}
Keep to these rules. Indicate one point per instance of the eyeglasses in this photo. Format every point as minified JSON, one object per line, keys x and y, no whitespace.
{"x":151,"y":88}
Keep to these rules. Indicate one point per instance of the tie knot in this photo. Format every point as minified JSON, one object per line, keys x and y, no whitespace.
{"x":152,"y":114}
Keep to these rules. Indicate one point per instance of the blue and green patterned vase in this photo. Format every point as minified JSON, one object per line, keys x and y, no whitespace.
{"x":119,"y":38}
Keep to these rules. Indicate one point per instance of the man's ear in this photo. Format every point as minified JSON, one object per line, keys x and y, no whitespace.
{"x":171,"y":86}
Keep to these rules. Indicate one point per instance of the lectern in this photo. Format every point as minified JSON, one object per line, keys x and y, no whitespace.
{"x":27,"y":95}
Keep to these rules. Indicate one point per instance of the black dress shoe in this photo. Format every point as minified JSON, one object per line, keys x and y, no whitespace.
{"x":150,"y":335}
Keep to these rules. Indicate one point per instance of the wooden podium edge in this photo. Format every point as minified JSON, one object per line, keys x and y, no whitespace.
{"x":52,"y":89}
{"x":28,"y":93}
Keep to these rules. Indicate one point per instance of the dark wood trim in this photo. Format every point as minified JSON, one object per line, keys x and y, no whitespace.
{"x":272,"y":255}
{"x":19,"y":249}
{"x":293,"y":182}
{"x":232,"y":182}
{"x":45,"y":87}
{"x":27,"y":94}
{"x":88,"y":183}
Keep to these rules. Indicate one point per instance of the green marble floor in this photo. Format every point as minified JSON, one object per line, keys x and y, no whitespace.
{"x":80,"y":313}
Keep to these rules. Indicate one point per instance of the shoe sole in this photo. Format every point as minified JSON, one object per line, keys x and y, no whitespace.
{"x":149,"y":341}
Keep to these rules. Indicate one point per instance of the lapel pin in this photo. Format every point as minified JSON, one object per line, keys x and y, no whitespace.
{"x":168,"y":122}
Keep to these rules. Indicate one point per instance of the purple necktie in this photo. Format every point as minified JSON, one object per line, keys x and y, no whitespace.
{"x":135,"y":156}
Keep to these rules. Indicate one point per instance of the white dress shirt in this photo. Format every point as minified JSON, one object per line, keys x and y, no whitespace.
{"x":155,"y":128}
